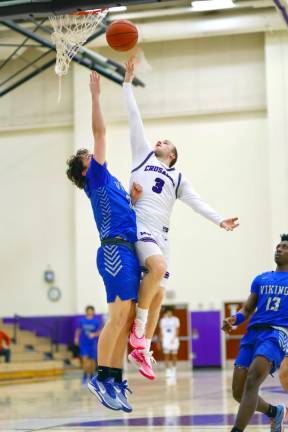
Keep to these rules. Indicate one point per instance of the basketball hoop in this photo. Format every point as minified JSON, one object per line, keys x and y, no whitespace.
{"x":71,"y":32}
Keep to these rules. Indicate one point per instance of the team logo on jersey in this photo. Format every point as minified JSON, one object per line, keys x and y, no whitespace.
{"x":159,"y":170}
{"x":145,"y":233}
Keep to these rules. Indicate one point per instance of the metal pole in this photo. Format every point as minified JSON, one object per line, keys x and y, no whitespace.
{"x":27,"y":77}
{"x":58,"y":7}
{"x":15,"y":329}
{"x":24,"y":68}
{"x":84,"y":62}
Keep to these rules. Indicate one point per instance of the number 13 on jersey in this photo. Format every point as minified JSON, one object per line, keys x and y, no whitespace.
{"x":273,"y":303}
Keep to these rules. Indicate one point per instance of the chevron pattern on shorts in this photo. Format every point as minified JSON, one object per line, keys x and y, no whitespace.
{"x":106,"y":212}
{"x":112,"y":260}
{"x":283,"y":341}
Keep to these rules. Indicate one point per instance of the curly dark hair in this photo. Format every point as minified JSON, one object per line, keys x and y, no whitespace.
{"x":75,"y":169}
{"x":284,"y":237}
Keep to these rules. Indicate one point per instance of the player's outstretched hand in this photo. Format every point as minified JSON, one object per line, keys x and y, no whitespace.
{"x":230,"y":224}
{"x":135,"y":192}
{"x":130,"y":69}
{"x":228,"y":323}
{"x":94,"y":84}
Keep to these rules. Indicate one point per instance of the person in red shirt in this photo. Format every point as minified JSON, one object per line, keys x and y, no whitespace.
{"x":4,"y":347}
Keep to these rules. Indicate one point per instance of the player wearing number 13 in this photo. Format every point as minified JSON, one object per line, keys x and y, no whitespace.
{"x":263,"y":347}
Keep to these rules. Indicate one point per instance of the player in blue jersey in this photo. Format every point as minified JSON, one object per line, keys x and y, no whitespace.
{"x":263,"y":347}
{"x":116,"y":258}
{"x":86,"y":337}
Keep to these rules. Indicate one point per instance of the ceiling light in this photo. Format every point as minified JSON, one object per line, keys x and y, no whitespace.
{"x":118,"y":9}
{"x":209,"y":5}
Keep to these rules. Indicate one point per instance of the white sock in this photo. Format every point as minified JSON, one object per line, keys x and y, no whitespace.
{"x":148,"y":344}
{"x":140,"y":320}
{"x":142,"y":314}
{"x":147,"y":348}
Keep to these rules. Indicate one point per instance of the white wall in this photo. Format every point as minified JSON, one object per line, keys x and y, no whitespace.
{"x":37,"y":221}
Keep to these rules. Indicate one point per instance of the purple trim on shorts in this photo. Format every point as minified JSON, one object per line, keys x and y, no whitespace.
{"x":178,"y":184}
{"x":148,"y":239}
{"x":145,"y":160}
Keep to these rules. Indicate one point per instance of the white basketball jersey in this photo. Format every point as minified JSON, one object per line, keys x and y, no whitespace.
{"x":160,"y":186}
{"x":169,"y":326}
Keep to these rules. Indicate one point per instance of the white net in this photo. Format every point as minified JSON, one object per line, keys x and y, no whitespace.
{"x":70,"y":33}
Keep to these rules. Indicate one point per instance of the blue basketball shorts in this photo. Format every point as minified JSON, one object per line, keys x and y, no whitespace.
{"x":268,"y":343}
{"x":120,"y":270}
{"x":90,"y":350}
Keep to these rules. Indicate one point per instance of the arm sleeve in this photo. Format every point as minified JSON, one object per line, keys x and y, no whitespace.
{"x":255,"y":286}
{"x":193,"y":200}
{"x":97,"y":175}
{"x":139,"y":144}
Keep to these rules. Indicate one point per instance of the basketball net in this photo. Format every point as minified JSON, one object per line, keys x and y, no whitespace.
{"x":69,"y":35}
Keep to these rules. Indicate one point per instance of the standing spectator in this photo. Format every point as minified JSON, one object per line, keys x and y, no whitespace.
{"x":86,"y":337}
{"x":4,"y":347}
{"x":169,"y":328}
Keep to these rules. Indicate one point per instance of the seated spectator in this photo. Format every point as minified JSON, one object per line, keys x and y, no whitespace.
{"x":4,"y":346}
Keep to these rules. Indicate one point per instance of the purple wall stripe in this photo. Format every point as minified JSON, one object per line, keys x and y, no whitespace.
{"x":61,"y":329}
{"x":185,"y":420}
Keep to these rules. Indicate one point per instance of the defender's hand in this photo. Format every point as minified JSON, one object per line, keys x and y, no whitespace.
{"x":228,"y":323}
{"x":94,"y":84}
{"x":135,"y":192}
{"x":230,"y":224}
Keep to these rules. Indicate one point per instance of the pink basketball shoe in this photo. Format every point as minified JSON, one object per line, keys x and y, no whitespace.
{"x":135,"y":341}
{"x":143,"y":362}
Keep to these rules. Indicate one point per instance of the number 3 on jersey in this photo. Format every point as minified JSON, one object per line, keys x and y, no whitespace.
{"x":159,"y":183}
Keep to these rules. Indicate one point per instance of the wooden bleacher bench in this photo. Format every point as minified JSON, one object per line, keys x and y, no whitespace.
{"x":29,"y":359}
{"x":10,"y":371}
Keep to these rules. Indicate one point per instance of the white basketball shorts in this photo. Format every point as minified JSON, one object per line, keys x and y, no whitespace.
{"x":170,"y":346}
{"x":152,"y":242}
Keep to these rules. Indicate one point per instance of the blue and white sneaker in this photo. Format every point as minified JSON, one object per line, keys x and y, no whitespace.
{"x":120,"y":390}
{"x":277,"y":423}
{"x":105,"y":393}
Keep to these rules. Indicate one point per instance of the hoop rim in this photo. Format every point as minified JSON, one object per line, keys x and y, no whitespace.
{"x":89,"y":12}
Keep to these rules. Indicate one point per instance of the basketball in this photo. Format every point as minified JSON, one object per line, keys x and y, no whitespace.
{"x":122,"y":35}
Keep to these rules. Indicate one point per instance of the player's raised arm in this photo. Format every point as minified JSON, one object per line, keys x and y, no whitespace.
{"x":193,"y":200}
{"x":245,"y":312}
{"x":98,"y":126}
{"x":139,"y":144}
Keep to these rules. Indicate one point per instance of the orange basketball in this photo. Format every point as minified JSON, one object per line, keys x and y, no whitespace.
{"x":122,"y":35}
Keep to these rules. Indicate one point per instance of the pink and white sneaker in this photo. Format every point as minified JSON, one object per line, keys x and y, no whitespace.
{"x":143,"y":362}
{"x":135,"y":341}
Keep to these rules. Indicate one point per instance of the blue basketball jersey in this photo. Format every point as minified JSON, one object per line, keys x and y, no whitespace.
{"x":88,"y":326}
{"x":271,"y":289}
{"x":111,"y":204}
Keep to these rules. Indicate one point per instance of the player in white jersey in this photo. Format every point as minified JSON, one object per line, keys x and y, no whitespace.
{"x":162,"y":184}
{"x":169,"y":334}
